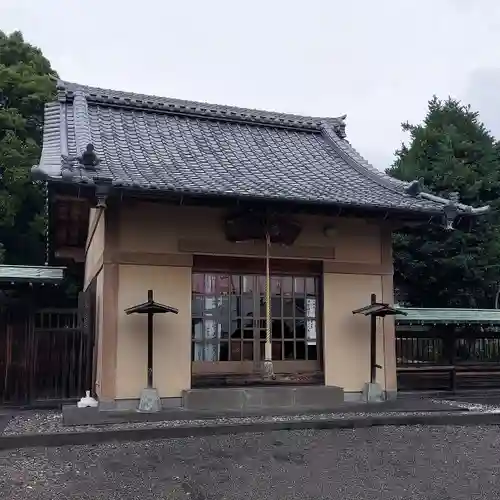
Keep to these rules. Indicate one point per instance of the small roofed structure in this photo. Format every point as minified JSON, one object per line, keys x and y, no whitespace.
{"x":447,"y":349}
{"x":447,"y":316}
{"x":28,"y":285}
{"x":150,"y":401}
{"x":11,"y":275}
{"x":376,"y":310}
{"x":151,"y":307}
{"x":379,"y":309}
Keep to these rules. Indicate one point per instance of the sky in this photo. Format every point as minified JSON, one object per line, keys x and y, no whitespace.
{"x":378,"y":62}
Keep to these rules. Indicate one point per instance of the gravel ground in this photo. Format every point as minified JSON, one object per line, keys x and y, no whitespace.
{"x":45,"y":422}
{"x":34,"y":422}
{"x":470,"y":406}
{"x":383,"y":463}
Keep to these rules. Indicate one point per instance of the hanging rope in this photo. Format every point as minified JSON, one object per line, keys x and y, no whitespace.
{"x":268,"y":356}
{"x":268,"y":371}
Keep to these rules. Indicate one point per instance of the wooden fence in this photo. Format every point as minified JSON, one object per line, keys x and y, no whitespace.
{"x":45,"y":356}
{"x":448,"y":358}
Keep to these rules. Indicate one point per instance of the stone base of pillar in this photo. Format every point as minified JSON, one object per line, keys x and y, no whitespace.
{"x":150,"y":401}
{"x":373,"y":393}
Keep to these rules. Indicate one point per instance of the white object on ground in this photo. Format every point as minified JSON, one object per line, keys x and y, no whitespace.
{"x":87,"y":401}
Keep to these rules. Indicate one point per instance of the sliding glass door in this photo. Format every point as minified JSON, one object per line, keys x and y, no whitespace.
{"x":229,"y":323}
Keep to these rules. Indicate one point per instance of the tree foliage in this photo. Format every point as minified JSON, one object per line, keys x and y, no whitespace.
{"x":453,"y":152}
{"x":27,"y":82}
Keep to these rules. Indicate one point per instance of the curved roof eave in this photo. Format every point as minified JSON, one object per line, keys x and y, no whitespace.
{"x":323,"y":166}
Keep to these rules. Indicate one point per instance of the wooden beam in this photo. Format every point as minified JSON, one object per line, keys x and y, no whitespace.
{"x":69,"y":198}
{"x":70,"y":253}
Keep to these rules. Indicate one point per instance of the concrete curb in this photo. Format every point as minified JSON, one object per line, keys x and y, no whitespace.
{"x":144,"y":434}
{"x":4,"y":421}
{"x":93,"y":416}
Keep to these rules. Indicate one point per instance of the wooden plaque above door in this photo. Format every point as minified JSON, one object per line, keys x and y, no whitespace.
{"x":256,"y":266}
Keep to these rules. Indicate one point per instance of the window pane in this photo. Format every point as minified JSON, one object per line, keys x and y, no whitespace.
{"x":300,"y":308}
{"x":197,"y":329}
{"x":276,"y":285}
{"x":277,"y":329}
{"x":311,"y":307}
{"x":288,"y":308}
{"x":287,"y":285}
{"x":248,"y":334}
{"x":223,"y":285}
{"x":236,"y":330}
{"x":210,"y":329}
{"x":235,"y":350}
{"x":197,"y":305}
{"x":198,"y":283}
{"x":235,"y":284}
{"x":209,"y":282}
{"x":247,"y":284}
{"x":224,"y":351}
{"x":227,"y":310}
{"x":225,"y":327}
{"x":289,"y":350}
{"x":245,"y":306}
{"x":247,"y":351}
{"x":300,"y":350}
{"x":211,"y":352}
{"x":299,"y":286}
{"x":209,"y":304}
{"x":300,"y":330}
{"x":277,"y":349}
{"x":311,"y":329}
{"x":276,"y":311}
{"x":312,"y":352}
{"x":204,"y":352}
{"x":310,"y":286}
{"x":195,"y":352}
{"x":288,"y":329}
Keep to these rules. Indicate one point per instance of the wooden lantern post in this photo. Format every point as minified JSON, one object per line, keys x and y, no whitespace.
{"x":150,"y":400}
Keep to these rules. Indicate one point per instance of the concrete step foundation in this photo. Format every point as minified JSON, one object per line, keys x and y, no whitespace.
{"x":252,"y":398}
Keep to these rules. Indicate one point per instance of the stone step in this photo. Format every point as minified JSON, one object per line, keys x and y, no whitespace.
{"x":248,"y":398}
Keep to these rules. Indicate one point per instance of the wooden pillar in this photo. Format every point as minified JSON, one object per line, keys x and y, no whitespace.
{"x":373,"y":343}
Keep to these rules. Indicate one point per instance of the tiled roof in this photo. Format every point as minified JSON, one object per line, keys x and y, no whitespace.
{"x":33,"y":274}
{"x":168,"y":145}
{"x":418,"y":315}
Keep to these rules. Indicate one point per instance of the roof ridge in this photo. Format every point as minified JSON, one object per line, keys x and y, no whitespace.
{"x":359,"y":163}
{"x":298,"y":164}
{"x":117,"y":97}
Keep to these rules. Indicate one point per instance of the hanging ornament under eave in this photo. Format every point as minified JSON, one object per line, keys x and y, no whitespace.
{"x":450,"y":214}
{"x":247,"y":225}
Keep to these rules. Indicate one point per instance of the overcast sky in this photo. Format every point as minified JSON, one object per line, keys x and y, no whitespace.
{"x":379,"y":62}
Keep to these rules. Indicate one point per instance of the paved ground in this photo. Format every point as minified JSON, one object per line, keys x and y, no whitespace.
{"x":418,"y":463}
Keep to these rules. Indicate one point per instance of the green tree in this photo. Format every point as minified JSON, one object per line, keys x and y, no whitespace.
{"x":452,"y":152}
{"x":27,"y":82}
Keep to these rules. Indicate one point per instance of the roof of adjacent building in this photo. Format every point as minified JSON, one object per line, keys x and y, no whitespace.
{"x":31,"y":274}
{"x":168,"y":145}
{"x":417,"y":315}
